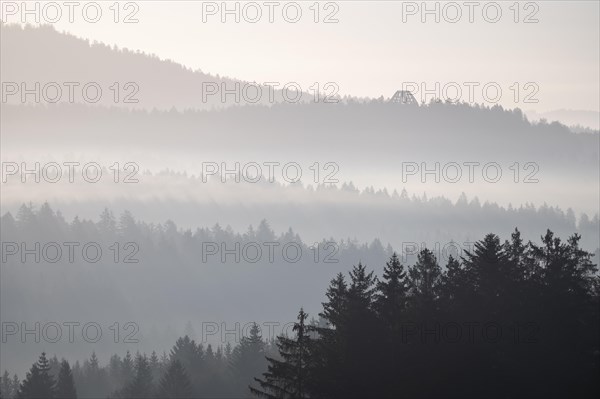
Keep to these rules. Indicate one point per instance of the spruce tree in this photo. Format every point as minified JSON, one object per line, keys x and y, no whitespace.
{"x":425,"y":278}
{"x":569,"y":315}
{"x":363,"y":335}
{"x":291,"y":376}
{"x":188,"y":353}
{"x":95,"y":381}
{"x":141,"y":386}
{"x":114,"y":373}
{"x":190,"y":356}
{"x":392,"y":292}
{"x":335,"y":307}
{"x":332,"y":345}
{"x":488,"y":268}
{"x":567,"y":270}
{"x":54,"y":367}
{"x":247,"y":360}
{"x":107,"y":226}
{"x":175,"y":383}
{"x":38,"y":382}
{"x":127,"y":370}
{"x":65,"y":387}
{"x":155,"y":366}
{"x":390,"y":303}
{"x":453,"y":281}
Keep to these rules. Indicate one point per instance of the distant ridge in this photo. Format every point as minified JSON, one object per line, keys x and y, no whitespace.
{"x":42,"y":54}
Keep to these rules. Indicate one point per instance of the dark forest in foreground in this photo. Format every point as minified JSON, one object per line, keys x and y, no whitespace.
{"x":510,"y":319}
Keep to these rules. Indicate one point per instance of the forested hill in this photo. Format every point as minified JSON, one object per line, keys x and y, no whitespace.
{"x":343,"y":132}
{"x":42,"y":54}
{"x":528,"y":312}
{"x":313,"y":211}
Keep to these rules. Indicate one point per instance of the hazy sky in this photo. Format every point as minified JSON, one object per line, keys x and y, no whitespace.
{"x":370,"y":51}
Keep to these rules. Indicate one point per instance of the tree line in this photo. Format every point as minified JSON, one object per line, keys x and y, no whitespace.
{"x":533,"y":313}
{"x":508,"y":319}
{"x":189,"y":370}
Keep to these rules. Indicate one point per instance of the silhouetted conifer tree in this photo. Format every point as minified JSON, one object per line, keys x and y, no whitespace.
{"x":65,"y":386}
{"x":175,"y":383}
{"x":247,"y":360}
{"x":38,"y":382}
{"x":289,"y":377}
{"x":141,"y":386}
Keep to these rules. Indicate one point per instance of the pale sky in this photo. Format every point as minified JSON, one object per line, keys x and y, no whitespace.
{"x":371,"y":51}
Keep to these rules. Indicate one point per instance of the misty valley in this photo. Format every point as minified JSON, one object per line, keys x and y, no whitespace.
{"x":406,"y":206}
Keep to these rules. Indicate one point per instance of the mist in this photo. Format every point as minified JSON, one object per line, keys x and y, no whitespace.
{"x":351,"y":201}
